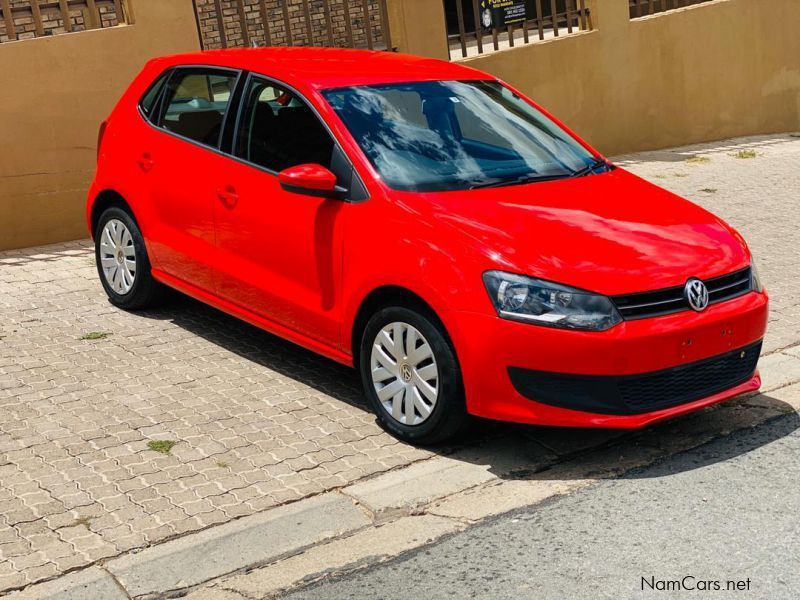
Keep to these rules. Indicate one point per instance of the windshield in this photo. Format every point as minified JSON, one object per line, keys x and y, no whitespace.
{"x":456,"y":135}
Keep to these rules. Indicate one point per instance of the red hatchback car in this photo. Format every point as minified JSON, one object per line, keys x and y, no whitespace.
{"x":429,"y":225}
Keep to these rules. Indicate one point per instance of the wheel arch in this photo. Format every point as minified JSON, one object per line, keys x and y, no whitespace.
{"x":104,"y":200}
{"x":391,"y":295}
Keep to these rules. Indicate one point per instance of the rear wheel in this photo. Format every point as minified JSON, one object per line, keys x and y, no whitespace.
{"x":411,"y":376}
{"x":122,"y":261}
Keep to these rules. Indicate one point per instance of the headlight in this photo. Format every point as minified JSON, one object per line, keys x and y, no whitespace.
{"x":543,"y":303}
{"x":755,"y":283}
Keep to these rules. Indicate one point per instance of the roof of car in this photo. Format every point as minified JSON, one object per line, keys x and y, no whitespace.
{"x":330,"y":67}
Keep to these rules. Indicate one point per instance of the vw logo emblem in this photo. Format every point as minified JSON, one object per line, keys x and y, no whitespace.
{"x":696,"y":294}
{"x":405,"y":373}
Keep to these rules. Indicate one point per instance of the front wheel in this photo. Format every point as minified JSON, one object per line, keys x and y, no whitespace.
{"x":411,"y":376}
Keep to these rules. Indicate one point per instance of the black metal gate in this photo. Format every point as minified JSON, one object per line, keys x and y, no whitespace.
{"x":340,"y":23}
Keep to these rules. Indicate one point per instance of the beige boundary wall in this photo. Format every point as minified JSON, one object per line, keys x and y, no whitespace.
{"x":54,"y":92}
{"x":706,"y":72}
{"x":712,"y":71}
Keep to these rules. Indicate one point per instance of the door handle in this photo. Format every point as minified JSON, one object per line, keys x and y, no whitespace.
{"x":228,"y":196}
{"x":145,"y":162}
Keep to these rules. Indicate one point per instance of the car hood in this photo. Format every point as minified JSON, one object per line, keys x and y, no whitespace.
{"x":611,"y":233}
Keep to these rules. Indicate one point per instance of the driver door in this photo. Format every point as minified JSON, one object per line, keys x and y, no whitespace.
{"x":279,"y":253}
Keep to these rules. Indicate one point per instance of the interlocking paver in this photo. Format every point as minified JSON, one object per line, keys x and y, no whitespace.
{"x":258,"y":421}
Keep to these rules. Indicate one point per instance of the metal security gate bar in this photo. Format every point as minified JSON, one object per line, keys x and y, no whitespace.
{"x":644,"y":8}
{"x":338,"y":23}
{"x":478,"y":26}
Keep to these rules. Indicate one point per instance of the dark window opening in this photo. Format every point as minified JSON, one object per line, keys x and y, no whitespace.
{"x":278,"y":130}
{"x":196,"y":103}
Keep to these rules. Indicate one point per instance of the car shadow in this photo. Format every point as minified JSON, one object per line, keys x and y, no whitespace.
{"x":740,"y":442}
{"x":263,"y":348}
{"x":564,"y":454}
{"x":509,"y":451}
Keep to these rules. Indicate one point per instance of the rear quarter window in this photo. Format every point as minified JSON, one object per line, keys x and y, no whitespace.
{"x":150,"y":99}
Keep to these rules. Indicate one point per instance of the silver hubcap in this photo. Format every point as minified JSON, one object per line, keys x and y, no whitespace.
{"x":118,"y":256}
{"x":404,"y":373}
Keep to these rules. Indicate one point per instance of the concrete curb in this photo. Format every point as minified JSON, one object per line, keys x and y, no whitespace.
{"x":255,"y":540}
{"x":90,"y":583}
{"x":365,"y":547}
{"x":417,"y":485}
{"x":779,"y":369}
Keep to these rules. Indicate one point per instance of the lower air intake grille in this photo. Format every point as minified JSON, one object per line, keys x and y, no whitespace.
{"x":642,"y":393}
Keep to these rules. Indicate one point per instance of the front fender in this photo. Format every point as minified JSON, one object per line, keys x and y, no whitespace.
{"x":444,"y":280}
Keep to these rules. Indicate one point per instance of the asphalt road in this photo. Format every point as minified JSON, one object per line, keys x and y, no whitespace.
{"x":727,"y":511}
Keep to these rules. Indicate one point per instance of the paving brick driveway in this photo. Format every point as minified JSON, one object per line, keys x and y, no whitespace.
{"x":258,"y":422}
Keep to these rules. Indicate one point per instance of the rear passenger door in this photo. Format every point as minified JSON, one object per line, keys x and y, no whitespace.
{"x":180,"y":165}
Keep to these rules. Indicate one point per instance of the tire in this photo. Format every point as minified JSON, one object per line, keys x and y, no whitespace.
{"x":392,"y":382}
{"x":131,"y":286}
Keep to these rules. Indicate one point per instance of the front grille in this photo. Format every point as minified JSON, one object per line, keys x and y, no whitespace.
{"x":644,"y":305}
{"x":642,"y":393}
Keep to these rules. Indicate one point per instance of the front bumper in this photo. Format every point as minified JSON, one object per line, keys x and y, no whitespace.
{"x":630,"y":352}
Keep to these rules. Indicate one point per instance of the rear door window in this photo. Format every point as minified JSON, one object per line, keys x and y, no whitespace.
{"x":196,"y":102}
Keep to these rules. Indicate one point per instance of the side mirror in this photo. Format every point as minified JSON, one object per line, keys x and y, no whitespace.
{"x":311,"y":180}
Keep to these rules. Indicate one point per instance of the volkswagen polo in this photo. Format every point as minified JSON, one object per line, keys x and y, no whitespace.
{"x":430,"y":226}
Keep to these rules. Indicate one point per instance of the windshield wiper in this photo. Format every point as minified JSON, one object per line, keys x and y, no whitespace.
{"x":600,"y":162}
{"x":529,"y":178}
